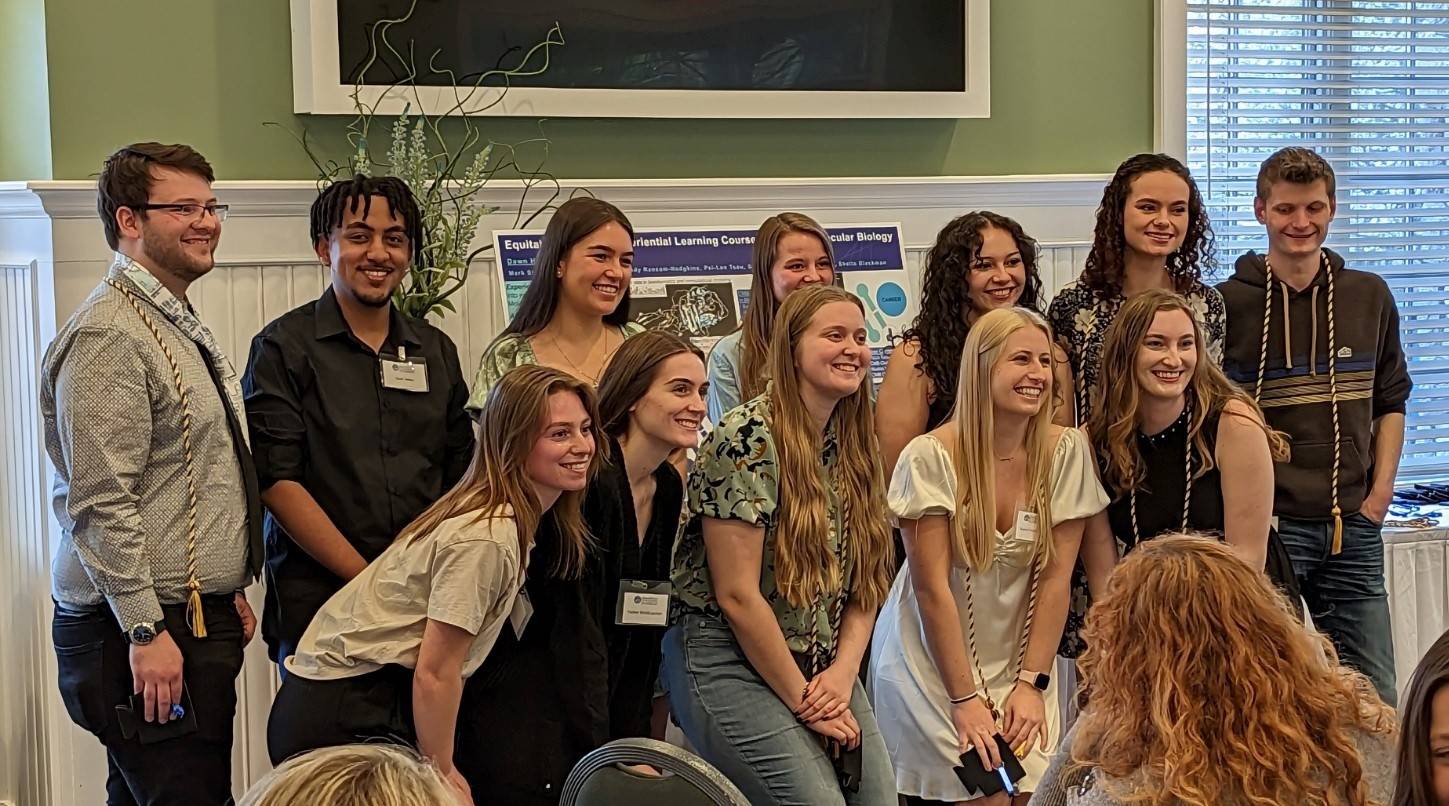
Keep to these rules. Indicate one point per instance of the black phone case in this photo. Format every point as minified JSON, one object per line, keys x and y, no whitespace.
{"x":132,"y":723}
{"x":975,"y":776}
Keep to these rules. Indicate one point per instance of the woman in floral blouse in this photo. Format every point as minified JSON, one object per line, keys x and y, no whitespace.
{"x":777,"y":584}
{"x":575,"y":313}
{"x":1152,"y":232}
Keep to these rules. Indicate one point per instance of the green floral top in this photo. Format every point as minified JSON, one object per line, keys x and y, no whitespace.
{"x":512,"y":351}
{"x":735,"y":477}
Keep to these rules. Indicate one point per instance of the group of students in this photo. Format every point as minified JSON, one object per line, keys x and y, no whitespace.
{"x":574,"y":563}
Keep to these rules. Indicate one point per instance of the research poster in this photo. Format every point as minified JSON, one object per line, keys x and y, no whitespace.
{"x":696,"y":282}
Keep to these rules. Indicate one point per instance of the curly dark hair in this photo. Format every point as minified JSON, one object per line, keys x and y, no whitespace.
{"x":940,"y":325}
{"x":1103,"y":270}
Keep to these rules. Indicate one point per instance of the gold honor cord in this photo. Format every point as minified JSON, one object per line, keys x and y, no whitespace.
{"x":1332,"y":377}
{"x":194,"y":616}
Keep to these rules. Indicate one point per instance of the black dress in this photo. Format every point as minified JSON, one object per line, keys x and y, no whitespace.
{"x":1160,"y":499}
{"x":574,"y":680}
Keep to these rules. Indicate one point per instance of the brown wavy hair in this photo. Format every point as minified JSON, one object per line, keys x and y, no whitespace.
{"x":1117,"y":398}
{"x":1205,"y":689}
{"x":760,"y":315}
{"x":805,"y":567}
{"x":1107,"y":259}
{"x":508,"y":426}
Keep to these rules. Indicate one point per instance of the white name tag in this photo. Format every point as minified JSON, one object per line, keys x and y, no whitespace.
{"x":521,"y":613}
{"x":407,"y":375}
{"x":1027,"y":524}
{"x":643,"y":603}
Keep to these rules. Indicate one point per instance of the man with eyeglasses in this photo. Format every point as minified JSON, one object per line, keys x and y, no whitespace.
{"x":154,"y":491}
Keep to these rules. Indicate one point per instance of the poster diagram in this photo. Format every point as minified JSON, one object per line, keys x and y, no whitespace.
{"x":696,"y":282}
{"x":694,"y":311}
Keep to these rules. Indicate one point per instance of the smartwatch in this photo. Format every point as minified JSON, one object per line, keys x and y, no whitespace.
{"x":1037,"y":680}
{"x":144,"y":633}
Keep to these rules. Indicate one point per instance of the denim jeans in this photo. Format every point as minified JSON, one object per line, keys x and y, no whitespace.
{"x":94,"y":667}
{"x":736,"y":723}
{"x":1346,"y":594}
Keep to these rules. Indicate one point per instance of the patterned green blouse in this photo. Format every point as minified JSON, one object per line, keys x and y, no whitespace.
{"x":735,"y":477}
{"x":512,"y":351}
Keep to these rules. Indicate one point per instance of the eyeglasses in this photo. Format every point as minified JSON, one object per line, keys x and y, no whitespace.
{"x":188,"y":211}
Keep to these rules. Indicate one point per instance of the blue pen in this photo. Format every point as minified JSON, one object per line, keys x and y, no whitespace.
{"x":1010,"y":788}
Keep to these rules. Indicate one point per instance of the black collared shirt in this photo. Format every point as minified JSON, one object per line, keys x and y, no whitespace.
{"x":373,"y":457}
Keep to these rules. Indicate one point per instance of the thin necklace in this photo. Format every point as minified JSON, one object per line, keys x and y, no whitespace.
{"x":603,"y":339}
{"x":1187,"y":482}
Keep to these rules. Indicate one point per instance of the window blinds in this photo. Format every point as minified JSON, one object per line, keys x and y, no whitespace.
{"x":1366,"y":84}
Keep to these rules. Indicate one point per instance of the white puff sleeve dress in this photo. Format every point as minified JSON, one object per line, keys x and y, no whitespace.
{"x":911,"y":703}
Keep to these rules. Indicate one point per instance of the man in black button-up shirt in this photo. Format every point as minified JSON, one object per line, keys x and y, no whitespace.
{"x":356,"y":411}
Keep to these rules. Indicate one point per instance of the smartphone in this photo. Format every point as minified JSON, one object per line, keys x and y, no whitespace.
{"x":131,"y":717}
{"x":974,"y":775}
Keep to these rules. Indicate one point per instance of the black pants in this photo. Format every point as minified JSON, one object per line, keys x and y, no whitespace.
{"x":93,"y":660}
{"x":308,"y":714}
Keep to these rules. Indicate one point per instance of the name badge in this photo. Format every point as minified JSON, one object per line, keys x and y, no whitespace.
{"x":521,"y":613}
{"x":404,"y":374}
{"x":643,"y":603}
{"x":1027,"y":524}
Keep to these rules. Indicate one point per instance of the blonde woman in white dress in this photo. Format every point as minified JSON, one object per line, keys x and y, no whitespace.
{"x":964,"y":645}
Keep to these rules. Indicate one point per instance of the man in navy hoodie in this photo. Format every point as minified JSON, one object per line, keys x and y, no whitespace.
{"x":1317,"y":344}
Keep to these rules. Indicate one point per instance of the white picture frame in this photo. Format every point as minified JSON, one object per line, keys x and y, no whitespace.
{"x":316,"y":90}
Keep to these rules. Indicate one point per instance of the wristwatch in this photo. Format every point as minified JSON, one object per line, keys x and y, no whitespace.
{"x":1037,"y":680}
{"x":144,"y":633}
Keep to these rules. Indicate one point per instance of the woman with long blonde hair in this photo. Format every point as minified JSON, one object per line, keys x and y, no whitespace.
{"x":1204,"y":690}
{"x":991,"y":506}
{"x":792,"y":251}
{"x":1179,"y":446}
{"x":386,"y":656}
{"x":781,"y":569}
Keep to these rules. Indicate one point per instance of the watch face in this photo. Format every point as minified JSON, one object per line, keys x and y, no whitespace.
{"x":142,"y":634}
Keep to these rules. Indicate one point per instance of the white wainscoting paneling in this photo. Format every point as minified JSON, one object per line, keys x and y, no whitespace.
{"x":26,"y":677}
{"x":265,"y":267}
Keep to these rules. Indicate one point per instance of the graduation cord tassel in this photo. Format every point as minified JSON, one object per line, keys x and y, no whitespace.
{"x":1333,"y":405}
{"x":194,"y":616}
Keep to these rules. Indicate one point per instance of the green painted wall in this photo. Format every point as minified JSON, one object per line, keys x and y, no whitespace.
{"x":24,"y":115}
{"x":1071,"y":92}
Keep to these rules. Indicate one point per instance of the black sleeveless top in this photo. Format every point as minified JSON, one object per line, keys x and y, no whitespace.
{"x":1160,"y":498}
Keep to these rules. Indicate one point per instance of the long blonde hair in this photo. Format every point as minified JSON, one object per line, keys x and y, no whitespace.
{"x":1113,"y":423}
{"x":1205,"y":689}
{"x":805,"y":568}
{"x":353,"y":775}
{"x":508,"y":427}
{"x":760,"y":316}
{"x":974,"y":526}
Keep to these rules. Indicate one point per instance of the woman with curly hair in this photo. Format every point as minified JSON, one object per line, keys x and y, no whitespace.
{"x":1179,"y":447}
{"x":1423,"y":776}
{"x":1204,"y":690}
{"x":1152,"y":232}
{"x":981,"y":261}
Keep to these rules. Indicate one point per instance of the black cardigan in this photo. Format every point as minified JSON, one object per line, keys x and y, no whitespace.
{"x":571,"y":682}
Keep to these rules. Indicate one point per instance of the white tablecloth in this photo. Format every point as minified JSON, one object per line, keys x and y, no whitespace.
{"x":1416,"y":571}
